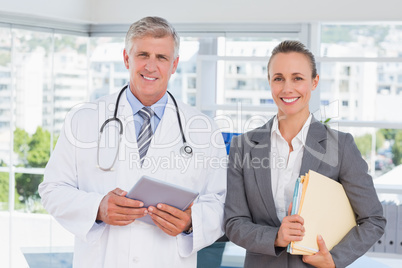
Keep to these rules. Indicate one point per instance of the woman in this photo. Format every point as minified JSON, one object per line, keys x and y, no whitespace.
{"x":265,"y":163}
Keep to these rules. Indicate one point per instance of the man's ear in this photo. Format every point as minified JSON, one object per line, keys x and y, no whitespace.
{"x":125,"y":58}
{"x":175,"y":63}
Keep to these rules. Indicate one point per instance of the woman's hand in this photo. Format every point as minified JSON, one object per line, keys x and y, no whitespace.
{"x":322,"y":258}
{"x":291,"y":229}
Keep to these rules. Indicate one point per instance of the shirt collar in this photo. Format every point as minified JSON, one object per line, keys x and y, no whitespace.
{"x":301,"y":136}
{"x":158,"y":107}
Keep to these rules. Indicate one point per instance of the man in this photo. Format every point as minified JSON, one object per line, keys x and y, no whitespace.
{"x":87,"y":196}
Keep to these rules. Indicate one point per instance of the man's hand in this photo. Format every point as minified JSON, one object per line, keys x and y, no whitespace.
{"x":291,"y":229}
{"x":322,"y":259}
{"x":171,"y":220}
{"x":116,"y":209}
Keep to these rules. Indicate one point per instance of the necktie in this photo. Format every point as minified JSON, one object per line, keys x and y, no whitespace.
{"x":145,"y":136}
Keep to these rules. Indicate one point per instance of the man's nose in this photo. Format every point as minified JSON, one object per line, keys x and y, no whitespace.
{"x":150,"y":65}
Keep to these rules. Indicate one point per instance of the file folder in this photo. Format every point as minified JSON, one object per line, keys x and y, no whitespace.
{"x":390,"y":228}
{"x":326,"y":210}
{"x":399,"y":231}
{"x":379,"y":246}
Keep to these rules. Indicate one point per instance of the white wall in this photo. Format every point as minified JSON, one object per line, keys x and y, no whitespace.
{"x":64,"y":10}
{"x":180,"y":11}
{"x":208,"y":11}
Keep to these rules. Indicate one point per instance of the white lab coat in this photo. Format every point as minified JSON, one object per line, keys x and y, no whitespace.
{"x":74,"y":186}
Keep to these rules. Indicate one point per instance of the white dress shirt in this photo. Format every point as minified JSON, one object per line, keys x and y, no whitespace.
{"x":285,"y":166}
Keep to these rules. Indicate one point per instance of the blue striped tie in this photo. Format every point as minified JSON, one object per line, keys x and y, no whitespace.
{"x":145,"y":136}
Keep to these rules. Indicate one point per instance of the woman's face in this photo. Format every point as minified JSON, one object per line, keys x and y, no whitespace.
{"x":291,"y":83}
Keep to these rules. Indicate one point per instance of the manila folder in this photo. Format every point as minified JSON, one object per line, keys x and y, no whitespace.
{"x":326,"y":211}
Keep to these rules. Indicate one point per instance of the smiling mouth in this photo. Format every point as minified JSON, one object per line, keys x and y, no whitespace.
{"x":148,"y":78}
{"x":290,"y":100}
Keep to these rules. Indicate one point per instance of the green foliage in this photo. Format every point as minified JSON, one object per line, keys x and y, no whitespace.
{"x":3,"y":187}
{"x":39,"y":148}
{"x":326,"y":121}
{"x":336,"y":33}
{"x":21,"y":144}
{"x":351,"y":33}
{"x":397,"y":148}
{"x":377,"y":32}
{"x":62,"y":42}
{"x":33,"y":151}
{"x":364,"y":143}
{"x":4,"y":183}
{"x":380,"y":140}
{"x":389,"y":134}
{"x":5,"y":58}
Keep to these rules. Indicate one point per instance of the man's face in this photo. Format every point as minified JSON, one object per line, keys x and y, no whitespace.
{"x":150,"y":63}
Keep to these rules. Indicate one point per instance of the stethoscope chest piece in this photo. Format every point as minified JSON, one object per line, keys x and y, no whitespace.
{"x":186,"y":151}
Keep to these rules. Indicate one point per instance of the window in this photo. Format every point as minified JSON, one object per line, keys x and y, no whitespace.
{"x":224,"y":74}
{"x":248,"y":73}
{"x":105,"y":59}
{"x":369,"y":57}
{"x":70,"y":71}
{"x":372,"y":82}
{"x":5,"y":111}
{"x":384,"y":90}
{"x":183,"y":84}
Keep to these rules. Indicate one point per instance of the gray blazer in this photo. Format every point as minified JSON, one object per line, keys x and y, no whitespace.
{"x":250,"y":216}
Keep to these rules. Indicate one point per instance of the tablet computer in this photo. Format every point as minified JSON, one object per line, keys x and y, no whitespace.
{"x":152,"y":191}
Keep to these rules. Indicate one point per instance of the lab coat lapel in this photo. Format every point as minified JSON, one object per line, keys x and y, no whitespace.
{"x":127,"y":118}
{"x":262,"y":151}
{"x":167,"y":133}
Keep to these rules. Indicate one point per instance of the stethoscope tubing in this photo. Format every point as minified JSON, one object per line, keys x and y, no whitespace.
{"x":186,"y":151}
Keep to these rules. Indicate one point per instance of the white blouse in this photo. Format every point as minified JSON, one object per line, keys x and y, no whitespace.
{"x":285,"y":166}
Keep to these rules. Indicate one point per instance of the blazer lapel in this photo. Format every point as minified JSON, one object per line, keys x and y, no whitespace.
{"x":262,"y":151}
{"x":314,"y":150}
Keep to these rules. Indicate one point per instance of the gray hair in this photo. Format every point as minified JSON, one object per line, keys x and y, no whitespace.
{"x":152,"y":26}
{"x":289,"y":46}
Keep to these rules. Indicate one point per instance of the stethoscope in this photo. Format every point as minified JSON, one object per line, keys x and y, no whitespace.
{"x":185,"y":151}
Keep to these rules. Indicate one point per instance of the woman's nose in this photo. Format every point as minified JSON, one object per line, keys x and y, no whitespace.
{"x":288,"y":86}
